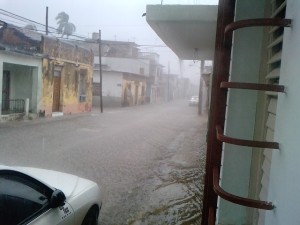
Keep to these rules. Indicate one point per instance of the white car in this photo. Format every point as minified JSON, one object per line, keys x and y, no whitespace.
{"x":38,"y":196}
{"x":194,"y":100}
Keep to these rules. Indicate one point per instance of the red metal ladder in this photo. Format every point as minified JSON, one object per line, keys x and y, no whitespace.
{"x":216,"y":137}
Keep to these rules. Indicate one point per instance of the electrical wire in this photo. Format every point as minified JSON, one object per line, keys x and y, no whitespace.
{"x":55,"y":31}
{"x":9,"y":14}
{"x":23,"y":19}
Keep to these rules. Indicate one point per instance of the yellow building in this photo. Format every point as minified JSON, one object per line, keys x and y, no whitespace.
{"x":67,"y":78}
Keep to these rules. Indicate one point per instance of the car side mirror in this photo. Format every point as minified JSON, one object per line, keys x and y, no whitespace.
{"x":57,"y":198}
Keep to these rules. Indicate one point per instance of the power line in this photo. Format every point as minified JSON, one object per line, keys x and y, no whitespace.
{"x":55,"y":31}
{"x":15,"y":16}
{"x":23,"y":19}
{"x":156,"y":46}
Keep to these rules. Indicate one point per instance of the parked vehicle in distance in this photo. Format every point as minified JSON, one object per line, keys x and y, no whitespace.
{"x":194,"y":100}
{"x":38,"y":196}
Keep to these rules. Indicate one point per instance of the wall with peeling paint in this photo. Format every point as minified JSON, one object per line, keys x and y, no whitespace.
{"x":72,"y":60}
{"x":36,"y":80}
{"x":132,"y":91}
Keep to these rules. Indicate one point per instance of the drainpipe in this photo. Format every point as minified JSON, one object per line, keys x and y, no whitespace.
{"x":27,"y":107}
{"x":217,"y":109}
{"x":100,"y":71}
{"x":168,"y":96}
{"x":200,"y":88}
{"x":1,"y":82}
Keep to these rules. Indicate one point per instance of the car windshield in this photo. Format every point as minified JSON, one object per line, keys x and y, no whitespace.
{"x":102,"y":90}
{"x":19,"y":200}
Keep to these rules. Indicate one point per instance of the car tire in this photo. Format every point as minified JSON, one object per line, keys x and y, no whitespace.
{"x":91,"y":218}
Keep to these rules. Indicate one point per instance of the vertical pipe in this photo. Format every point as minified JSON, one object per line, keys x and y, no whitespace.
{"x":47,"y":20}
{"x":27,"y":107}
{"x":100,"y":71}
{"x":200,"y":88}
{"x":217,"y":112}
{"x":168,"y":96}
{"x":1,"y":85}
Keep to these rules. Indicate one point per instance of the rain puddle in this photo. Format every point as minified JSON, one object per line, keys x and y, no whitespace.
{"x":174,"y":197}
{"x":172,"y":192}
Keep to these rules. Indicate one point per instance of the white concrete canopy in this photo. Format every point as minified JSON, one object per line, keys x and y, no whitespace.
{"x":189,"y":30}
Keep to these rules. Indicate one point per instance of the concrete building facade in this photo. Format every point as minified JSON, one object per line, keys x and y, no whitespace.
{"x":125,"y":74}
{"x":67,"y":78}
{"x":253,"y":146}
{"x":51,"y":76}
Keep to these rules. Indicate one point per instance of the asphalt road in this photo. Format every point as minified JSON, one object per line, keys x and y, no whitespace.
{"x":147,"y":159}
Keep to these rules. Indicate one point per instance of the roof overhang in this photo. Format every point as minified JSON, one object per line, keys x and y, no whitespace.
{"x":189,"y":30}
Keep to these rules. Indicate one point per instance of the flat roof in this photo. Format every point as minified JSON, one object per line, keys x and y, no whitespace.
{"x":189,"y":30}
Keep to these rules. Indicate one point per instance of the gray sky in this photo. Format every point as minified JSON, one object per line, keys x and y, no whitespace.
{"x":119,"y":20}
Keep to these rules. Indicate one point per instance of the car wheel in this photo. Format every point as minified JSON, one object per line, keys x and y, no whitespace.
{"x":91,"y":217}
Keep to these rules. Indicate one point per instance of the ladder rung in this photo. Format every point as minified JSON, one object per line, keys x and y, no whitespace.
{"x":237,"y":199}
{"x":253,"y":86}
{"x":242,"y":142}
{"x":258,"y":22}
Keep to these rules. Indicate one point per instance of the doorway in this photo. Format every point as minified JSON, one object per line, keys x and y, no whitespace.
{"x":5,"y":91}
{"x":136,"y":94}
{"x":56,"y":90}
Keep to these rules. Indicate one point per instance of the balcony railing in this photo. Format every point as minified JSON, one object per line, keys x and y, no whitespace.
{"x":13,"y":106}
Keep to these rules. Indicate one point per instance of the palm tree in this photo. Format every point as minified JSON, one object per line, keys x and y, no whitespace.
{"x":64,"y":26}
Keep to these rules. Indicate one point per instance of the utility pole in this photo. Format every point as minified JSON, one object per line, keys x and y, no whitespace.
{"x":200,"y":88}
{"x":100,"y":71}
{"x":168,"y":82}
{"x":47,"y":20}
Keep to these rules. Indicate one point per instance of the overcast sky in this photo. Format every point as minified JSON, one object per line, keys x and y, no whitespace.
{"x":119,"y":20}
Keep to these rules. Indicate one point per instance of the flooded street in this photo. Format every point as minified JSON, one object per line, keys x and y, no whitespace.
{"x":172,"y":194}
{"x":149,"y":160}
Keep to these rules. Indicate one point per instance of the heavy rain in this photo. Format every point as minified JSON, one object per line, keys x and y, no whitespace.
{"x":123,"y":117}
{"x":153,"y":176}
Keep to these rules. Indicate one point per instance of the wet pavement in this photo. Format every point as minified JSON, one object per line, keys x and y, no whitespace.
{"x":172,"y":194}
{"x":149,"y":160}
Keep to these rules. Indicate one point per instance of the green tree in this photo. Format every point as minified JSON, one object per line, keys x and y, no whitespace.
{"x":64,"y":26}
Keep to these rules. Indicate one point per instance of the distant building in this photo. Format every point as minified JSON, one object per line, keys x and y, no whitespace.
{"x":127,"y":74}
{"x":67,"y":77}
{"x":54,"y":76}
{"x":154,"y":89}
{"x":174,"y":87}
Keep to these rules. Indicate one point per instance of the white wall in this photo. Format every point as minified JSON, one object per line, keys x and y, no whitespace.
{"x":21,"y":82}
{"x":240,"y":118}
{"x":127,"y":65}
{"x":284,"y":178}
{"x":112,"y":83}
{"x":36,"y":70}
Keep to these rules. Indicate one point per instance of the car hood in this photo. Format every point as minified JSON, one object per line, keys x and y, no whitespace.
{"x":71,"y":185}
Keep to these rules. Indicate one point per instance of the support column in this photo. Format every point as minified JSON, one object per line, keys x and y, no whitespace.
{"x":1,"y":81}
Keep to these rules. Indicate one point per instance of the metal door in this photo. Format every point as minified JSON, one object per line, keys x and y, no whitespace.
{"x":56,"y":91}
{"x":5,"y":90}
